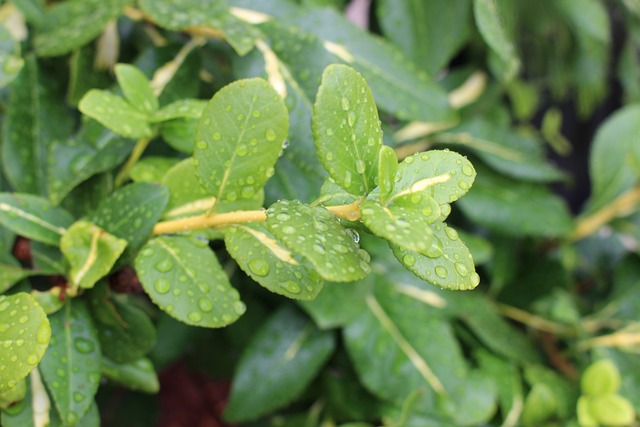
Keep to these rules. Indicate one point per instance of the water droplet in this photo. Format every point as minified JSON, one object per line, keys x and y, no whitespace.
{"x":162,"y":285}
{"x":43,"y":334}
{"x":164,"y":266}
{"x":409,"y":160}
{"x":344,"y":102}
{"x":78,"y":397}
{"x":329,"y":132}
{"x":227,"y":318}
{"x":351,"y":118}
{"x":461,"y":268}
{"x":339,"y":247}
{"x":285,"y":144}
{"x":463,"y":185}
{"x":290,"y":286}
{"x":72,"y":418}
{"x":475,"y":279}
{"x":259,"y":267}
{"x":347,"y":179}
{"x":360,"y":166}
{"x":201,"y":144}
{"x":217,"y":136}
{"x":83,"y":345}
{"x":256,"y":113}
{"x":354,"y":235}
{"x":242,"y":150}
{"x":270,"y":134}
{"x":409,"y":259}
{"x":416,"y":198}
{"x":239,"y":307}
{"x":467,"y":170}
{"x":194,"y":316}
{"x":203,"y":286}
{"x":287,"y":229}
{"x":232,"y":196}
{"x":441,"y":272}
{"x":319,"y":248}
{"x":451,"y":233}
{"x":32,"y":359}
{"x":23,"y":319}
{"x":205,"y":305}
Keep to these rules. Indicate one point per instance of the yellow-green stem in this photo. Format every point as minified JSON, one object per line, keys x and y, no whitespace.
{"x":534,"y":321}
{"x":139,"y":148}
{"x":198,"y":222}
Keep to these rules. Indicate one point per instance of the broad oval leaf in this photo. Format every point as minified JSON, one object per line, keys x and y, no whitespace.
{"x":139,"y":375}
{"x":446,"y":263}
{"x":285,"y":354}
{"x":71,"y":365}
{"x":490,"y":19}
{"x":239,"y":138}
{"x":184,"y":278}
{"x":115,"y":113}
{"x":68,"y":26}
{"x":403,"y":226}
{"x":33,"y":217}
{"x":136,"y":88}
{"x":316,"y":235}
{"x":91,"y":252}
{"x":346,"y":129}
{"x":24,"y":336}
{"x":444,"y":174}
{"x":269,"y":263}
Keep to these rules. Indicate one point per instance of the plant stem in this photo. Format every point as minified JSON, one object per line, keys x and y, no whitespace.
{"x":623,"y":205}
{"x":139,"y":148}
{"x":621,"y":339}
{"x":533,"y":321}
{"x":198,"y":222}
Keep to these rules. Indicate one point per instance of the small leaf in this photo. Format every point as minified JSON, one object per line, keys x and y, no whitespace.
{"x":11,"y":272}
{"x":602,"y":377}
{"x":286,"y":354}
{"x":71,"y":365}
{"x":239,"y":139}
{"x":115,"y":113}
{"x":10,"y":60}
{"x":316,"y":235}
{"x":180,"y":133}
{"x":136,"y":88}
{"x":33,"y":217}
{"x":24,"y":335}
{"x":184,"y":278}
{"x":490,"y":19}
{"x":13,"y":395}
{"x":346,"y":129}
{"x":70,"y":25}
{"x":130,"y":213}
{"x":406,"y":227}
{"x":270,"y":264}
{"x":183,"y":108}
{"x":612,"y":410}
{"x":444,"y":174}
{"x":91,"y":252}
{"x":446,"y":263}
{"x":387,"y":169}
{"x":139,"y":375}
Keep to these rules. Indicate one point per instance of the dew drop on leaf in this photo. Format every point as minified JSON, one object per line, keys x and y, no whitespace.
{"x":409,"y":259}
{"x":259,"y":267}
{"x":270,"y":134}
{"x":291,"y":286}
{"x":205,"y":305}
{"x":467,"y":170}
{"x":441,"y":271}
{"x":164,"y":266}
{"x":344,"y":102}
{"x":461,"y":268}
{"x":360,"y":166}
{"x":83,"y":345}
{"x":194,"y":316}
{"x":162,"y":285}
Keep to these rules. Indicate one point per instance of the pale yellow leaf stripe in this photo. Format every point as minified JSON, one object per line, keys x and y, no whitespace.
{"x":296,"y":345}
{"x":416,"y":360}
{"x":12,"y":209}
{"x":427,"y":297}
{"x":91,"y":258}
{"x":281,"y":253}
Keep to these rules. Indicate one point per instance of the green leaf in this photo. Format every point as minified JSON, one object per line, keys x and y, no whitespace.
{"x":239,"y":139}
{"x":539,"y":406}
{"x":84,"y":73}
{"x":24,"y":334}
{"x":346,"y":129}
{"x":515,"y":207}
{"x":316,"y":235}
{"x":184,"y":278}
{"x":187,"y":196}
{"x":35,"y":120}
{"x":601,"y":377}
{"x":10,"y":60}
{"x":444,"y":174}
{"x":13,"y":395}
{"x":490,"y":19}
{"x":136,"y":88}
{"x":11,"y":272}
{"x":612,"y":410}
{"x":151,"y":169}
{"x":446,"y":263}
{"x":115,"y":113}
{"x":286,"y":354}
{"x":507,"y":378}
{"x":270,"y":264}
{"x":33,"y":217}
{"x":430,"y":32}
{"x":180,"y":134}
{"x":94,"y":150}
{"x":71,"y":365}
{"x":91,"y":252}
{"x":182,"y":108}
{"x":181,"y":14}
{"x":387,"y":169}
{"x":139,"y":375}
{"x":70,"y":25}
{"x":403,"y":225}
{"x":131,"y":213}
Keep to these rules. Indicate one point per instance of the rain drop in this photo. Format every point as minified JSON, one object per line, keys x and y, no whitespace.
{"x":344,"y":102}
{"x":441,"y":272}
{"x":239,"y":307}
{"x":162,"y":285}
{"x":78,"y":397}
{"x":164,"y":266}
{"x":270,"y":134}
{"x":360,"y":166}
{"x":217,"y":136}
{"x":351,"y":118}
{"x":83,"y":345}
{"x":205,"y":305}
{"x":259,"y":267}
{"x":451,"y":233}
{"x":194,"y":316}
{"x":467,"y":170}
{"x":461,"y":268}
{"x":287,"y":229}
{"x":290,"y":286}
{"x":329,"y":132}
{"x":409,"y":259}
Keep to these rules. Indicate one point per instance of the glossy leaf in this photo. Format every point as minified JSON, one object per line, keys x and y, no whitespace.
{"x":239,"y":139}
{"x":70,"y":25}
{"x":138,"y":375}
{"x":115,"y":113}
{"x":183,"y":108}
{"x":387,"y":169}
{"x":346,"y":129}
{"x":269,"y":263}
{"x":24,"y":334}
{"x":430,"y":33}
{"x":313,"y":233}
{"x":33,"y":217}
{"x":91,"y":252}
{"x":490,"y":19}
{"x":11,"y":273}
{"x":444,"y":175}
{"x":71,"y":365}
{"x":184,"y":278}
{"x":286,"y":354}
{"x":131,"y":213}
{"x":72,"y":161}
{"x":10,"y":60}
{"x":151,"y":169}
{"x":446,"y":263}
{"x":136,"y":88}
{"x":405,"y":226}
{"x":180,"y":134}
{"x":187,"y":196}
{"x":35,"y":120}
{"x":214,"y":14}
